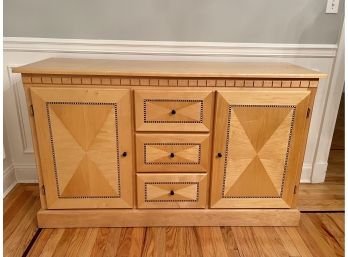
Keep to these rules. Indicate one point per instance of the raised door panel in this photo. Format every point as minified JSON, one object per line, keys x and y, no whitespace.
{"x":82,"y":135}
{"x":172,"y":190}
{"x":172,"y":152}
{"x":258,"y":137}
{"x":171,"y":110}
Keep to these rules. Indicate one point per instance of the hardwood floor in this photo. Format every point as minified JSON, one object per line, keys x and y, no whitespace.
{"x":328,"y":196}
{"x":320,"y":234}
{"x":20,"y":207}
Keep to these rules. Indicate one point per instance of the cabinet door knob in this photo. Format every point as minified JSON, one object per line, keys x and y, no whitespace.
{"x":171,"y":192}
{"x":173,"y":112}
{"x":219,"y":155}
{"x":171,"y":155}
{"x":124,"y":154}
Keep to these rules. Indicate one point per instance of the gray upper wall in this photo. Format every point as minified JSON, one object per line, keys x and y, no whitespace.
{"x":244,"y":21}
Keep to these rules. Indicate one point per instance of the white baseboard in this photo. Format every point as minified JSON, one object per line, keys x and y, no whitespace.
{"x":26,"y":173}
{"x":9,"y":181}
{"x":320,"y":172}
{"x":306,"y":173}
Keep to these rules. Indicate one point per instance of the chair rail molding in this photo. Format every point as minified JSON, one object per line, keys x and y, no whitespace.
{"x":163,"y":48}
{"x":20,"y":51}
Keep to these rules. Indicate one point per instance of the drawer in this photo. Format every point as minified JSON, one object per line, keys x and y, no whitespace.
{"x":172,"y":190}
{"x":172,"y":152}
{"x":158,"y":110}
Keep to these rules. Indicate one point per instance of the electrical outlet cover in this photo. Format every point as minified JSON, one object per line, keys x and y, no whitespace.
{"x":332,"y":6}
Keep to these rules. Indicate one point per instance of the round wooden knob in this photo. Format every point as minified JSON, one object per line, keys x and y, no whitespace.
{"x":173,"y":112}
{"x":171,"y":155}
{"x":124,"y":154}
{"x":171,"y":192}
{"x":219,"y":155}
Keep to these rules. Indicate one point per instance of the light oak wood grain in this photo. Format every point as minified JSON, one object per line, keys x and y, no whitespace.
{"x":167,"y":68}
{"x":258,"y":137}
{"x":156,"y":82}
{"x":173,"y":110}
{"x":82,"y":134}
{"x":171,"y":190}
{"x":172,"y":152}
{"x":162,"y":217}
{"x":80,"y":139}
{"x":35,"y":146}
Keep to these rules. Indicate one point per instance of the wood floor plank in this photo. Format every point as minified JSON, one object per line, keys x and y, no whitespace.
{"x":329,"y":232}
{"x":86,"y":247}
{"x":328,"y":196}
{"x":313,"y":238}
{"x":267,"y":243}
{"x":100,"y":242}
{"x":125,"y":242}
{"x":331,"y":224}
{"x":298,"y":242}
{"x":11,"y":198}
{"x":40,"y":242}
{"x":339,"y":219}
{"x":18,"y":240}
{"x":64,"y":242}
{"x":287,"y":242}
{"x":112,"y":242}
{"x":76,"y":242}
{"x":52,"y":243}
{"x":15,"y":215}
{"x":174,"y":239}
{"x":137,"y":241}
{"x":182,"y":241}
{"x":246,"y":243}
{"x":230,"y":243}
{"x":278,"y":246}
{"x":155,"y":242}
{"x":211,"y":241}
{"x":192,"y":242}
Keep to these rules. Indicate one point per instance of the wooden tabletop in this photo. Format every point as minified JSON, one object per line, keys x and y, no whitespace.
{"x":108,"y":67}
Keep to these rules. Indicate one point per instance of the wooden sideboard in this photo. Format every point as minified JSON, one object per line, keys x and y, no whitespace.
{"x":145,"y":143}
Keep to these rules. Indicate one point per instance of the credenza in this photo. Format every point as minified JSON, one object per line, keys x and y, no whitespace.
{"x":162,"y":143}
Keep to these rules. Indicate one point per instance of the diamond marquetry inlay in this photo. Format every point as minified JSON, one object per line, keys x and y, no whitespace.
{"x":160,"y":191}
{"x":257,"y":146}
{"x":84,"y":140}
{"x":161,"y":153}
{"x":186,"y":111}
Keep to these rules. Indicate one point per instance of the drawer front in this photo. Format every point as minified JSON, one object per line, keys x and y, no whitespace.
{"x":172,"y":190}
{"x":169,"y":110}
{"x":172,"y":152}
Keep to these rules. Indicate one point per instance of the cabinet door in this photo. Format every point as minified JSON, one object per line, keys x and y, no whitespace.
{"x":257,"y":146}
{"x":82,"y":135}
